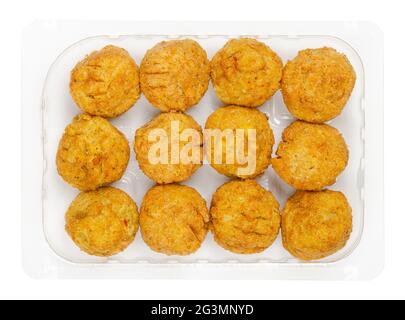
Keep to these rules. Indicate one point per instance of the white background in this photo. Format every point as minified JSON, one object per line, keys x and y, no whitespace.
{"x":15,"y":15}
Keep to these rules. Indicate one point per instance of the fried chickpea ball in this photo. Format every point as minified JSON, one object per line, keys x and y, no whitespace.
{"x":182,"y":166}
{"x":316,"y":224}
{"x":175,"y":74}
{"x":310,"y":156}
{"x":232,"y":119}
{"x":245,"y":217}
{"x":246,"y":72}
{"x":102,"y":222}
{"x":105,"y":83}
{"x":92,"y":153}
{"x":317,"y":84}
{"x":174,"y":219}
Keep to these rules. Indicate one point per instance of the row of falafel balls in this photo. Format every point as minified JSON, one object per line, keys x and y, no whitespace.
{"x":244,"y":217}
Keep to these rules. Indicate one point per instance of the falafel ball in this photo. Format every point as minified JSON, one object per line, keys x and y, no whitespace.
{"x":102,"y":222}
{"x":174,"y":219}
{"x":181,"y":166}
{"x":317,"y":84}
{"x":232,"y":119}
{"x":175,"y":74}
{"x":310,"y":156}
{"x":106,"y":82}
{"x":92,"y":153}
{"x":316,"y":224}
{"x":246,"y":72}
{"x":245,"y":217}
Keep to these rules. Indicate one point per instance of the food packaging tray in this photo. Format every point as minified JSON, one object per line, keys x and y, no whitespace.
{"x":58,"y":109}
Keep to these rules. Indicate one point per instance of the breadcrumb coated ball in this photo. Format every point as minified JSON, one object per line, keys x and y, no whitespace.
{"x":174,"y":219}
{"x":175,"y":74}
{"x":106,"y":82}
{"x":235,"y":118}
{"x":245,"y":217}
{"x":317,"y":224}
{"x":317,"y":84}
{"x":102,"y":222}
{"x":92,"y":153}
{"x":181,"y":167}
{"x":310,"y":156}
{"x":246,"y":72}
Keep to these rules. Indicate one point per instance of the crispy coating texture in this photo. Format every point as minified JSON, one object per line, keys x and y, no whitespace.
{"x":310,"y":156}
{"x":105,"y":83}
{"x":175,"y":74}
{"x":317,"y":84}
{"x":234,"y":118}
{"x":246,"y":72}
{"x":173,"y":171}
{"x":316,"y":224}
{"x":102,"y":222}
{"x":245,"y":217}
{"x":174,"y":219}
{"x":92,"y":153}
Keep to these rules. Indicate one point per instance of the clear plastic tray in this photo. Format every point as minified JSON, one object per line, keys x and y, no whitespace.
{"x":59,"y":109}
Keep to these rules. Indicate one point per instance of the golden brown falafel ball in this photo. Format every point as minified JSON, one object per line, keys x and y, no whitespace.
{"x":231,"y":119}
{"x":246,"y":72}
{"x":102,"y":222}
{"x":105,"y":83}
{"x":245,"y":217}
{"x":316,"y":224}
{"x":175,"y":74}
{"x":92,"y":153}
{"x":174,"y":219}
{"x":310,"y":156}
{"x":182,"y":166}
{"x":317,"y":84}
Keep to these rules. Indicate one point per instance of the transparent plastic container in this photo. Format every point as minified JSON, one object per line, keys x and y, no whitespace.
{"x":47,"y":249}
